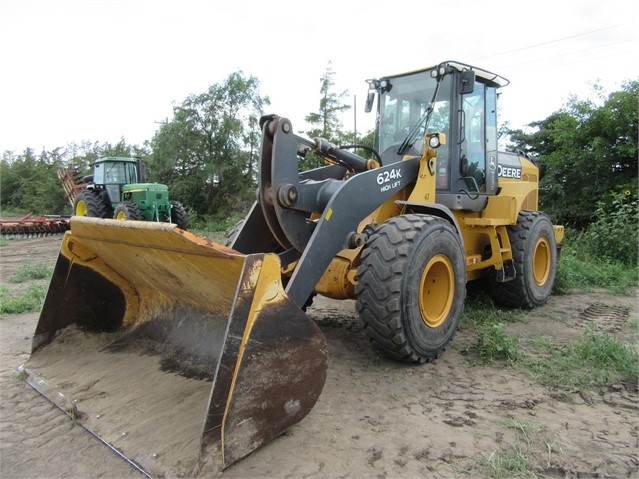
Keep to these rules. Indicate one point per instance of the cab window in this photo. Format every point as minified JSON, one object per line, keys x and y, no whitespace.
{"x":132,"y":173}
{"x":473,"y":144}
{"x":115,"y":173}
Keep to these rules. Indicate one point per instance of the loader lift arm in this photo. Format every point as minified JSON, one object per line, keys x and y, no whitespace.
{"x":341,"y":194}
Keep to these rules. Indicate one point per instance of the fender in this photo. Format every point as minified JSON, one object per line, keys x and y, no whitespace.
{"x":433,"y":209}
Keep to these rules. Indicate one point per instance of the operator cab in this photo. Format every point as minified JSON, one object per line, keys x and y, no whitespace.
{"x":452,"y":98}
{"x":115,"y":172}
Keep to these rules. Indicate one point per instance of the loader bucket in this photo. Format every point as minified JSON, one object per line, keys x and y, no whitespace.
{"x":181,"y":354}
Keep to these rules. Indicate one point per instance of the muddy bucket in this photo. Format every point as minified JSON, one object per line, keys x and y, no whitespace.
{"x":180,"y":354}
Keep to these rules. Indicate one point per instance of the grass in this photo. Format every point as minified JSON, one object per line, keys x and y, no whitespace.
{"x":529,"y":453}
{"x":31,"y":300}
{"x":506,"y":462}
{"x":578,"y":271}
{"x":29,"y":272}
{"x":494,"y":345}
{"x":481,"y":315}
{"x":527,"y":430}
{"x":479,"y":309}
{"x":217,"y":227}
{"x":595,"y":360}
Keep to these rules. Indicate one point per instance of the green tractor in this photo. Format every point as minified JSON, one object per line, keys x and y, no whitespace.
{"x":117,"y":189}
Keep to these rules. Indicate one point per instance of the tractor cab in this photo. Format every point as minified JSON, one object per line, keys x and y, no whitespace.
{"x":114,"y":172}
{"x":457,"y":101}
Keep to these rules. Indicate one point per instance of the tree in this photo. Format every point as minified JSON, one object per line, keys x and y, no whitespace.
{"x":82,"y":156}
{"x":29,"y":182}
{"x":585,"y":151}
{"x":326,"y":122}
{"x":208,"y":152}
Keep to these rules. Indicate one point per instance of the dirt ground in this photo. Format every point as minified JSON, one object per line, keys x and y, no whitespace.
{"x":375,"y":418}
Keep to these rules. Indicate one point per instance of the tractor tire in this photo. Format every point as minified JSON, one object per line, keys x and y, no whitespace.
{"x":89,"y":203}
{"x":178,"y":215}
{"x":534,"y":251}
{"x":127,"y":210}
{"x":411,"y":287}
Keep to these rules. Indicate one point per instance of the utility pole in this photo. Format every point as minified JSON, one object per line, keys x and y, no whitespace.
{"x":354,"y":118}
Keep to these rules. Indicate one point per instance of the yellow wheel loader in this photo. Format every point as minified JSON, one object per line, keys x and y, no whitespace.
{"x":184,"y":355}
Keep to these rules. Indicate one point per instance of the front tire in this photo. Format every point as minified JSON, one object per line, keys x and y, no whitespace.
{"x":411,"y":287}
{"x":127,"y":210}
{"x":89,"y":203}
{"x":534,"y":251}
{"x":178,"y":215}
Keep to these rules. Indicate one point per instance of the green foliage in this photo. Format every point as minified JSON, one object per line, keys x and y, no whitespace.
{"x":326,"y":122}
{"x":614,"y":232}
{"x":30,"y":272}
{"x":481,"y":314}
{"x":208,"y":152}
{"x":12,"y":212}
{"x":584,"y":151}
{"x":217,"y":223}
{"x":580,"y":269}
{"x":29,"y":182}
{"x":494,"y":345}
{"x":31,"y":300}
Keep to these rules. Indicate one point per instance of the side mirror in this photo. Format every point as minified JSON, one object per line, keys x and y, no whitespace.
{"x":370,"y":98}
{"x":466,"y":82}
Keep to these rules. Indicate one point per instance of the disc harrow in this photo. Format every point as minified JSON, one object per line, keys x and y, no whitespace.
{"x":31,"y":227}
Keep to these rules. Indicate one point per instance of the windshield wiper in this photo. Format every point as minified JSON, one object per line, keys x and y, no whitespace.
{"x":409,"y":141}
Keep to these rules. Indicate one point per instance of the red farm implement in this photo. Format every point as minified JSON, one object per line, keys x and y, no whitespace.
{"x":31,"y":227}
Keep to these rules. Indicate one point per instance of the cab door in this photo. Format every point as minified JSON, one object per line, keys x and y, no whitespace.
{"x":478,"y":141}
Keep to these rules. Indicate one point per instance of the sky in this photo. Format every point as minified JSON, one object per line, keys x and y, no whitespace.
{"x":103,"y":70}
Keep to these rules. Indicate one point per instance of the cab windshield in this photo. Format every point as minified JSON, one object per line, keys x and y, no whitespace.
{"x":403,"y":106}
{"x":118,"y":172}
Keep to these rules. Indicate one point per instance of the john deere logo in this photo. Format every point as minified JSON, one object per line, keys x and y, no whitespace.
{"x":508,"y":172}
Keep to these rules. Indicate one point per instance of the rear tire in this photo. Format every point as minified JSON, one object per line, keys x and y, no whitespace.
{"x":127,"y":210}
{"x":534,"y":251}
{"x":89,"y":203}
{"x":178,"y":215}
{"x":411,"y":287}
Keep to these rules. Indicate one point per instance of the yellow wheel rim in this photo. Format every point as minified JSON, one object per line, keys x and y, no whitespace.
{"x":541,"y":261}
{"x":121,"y":216}
{"x":436,"y":290}
{"x":81,"y":208}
